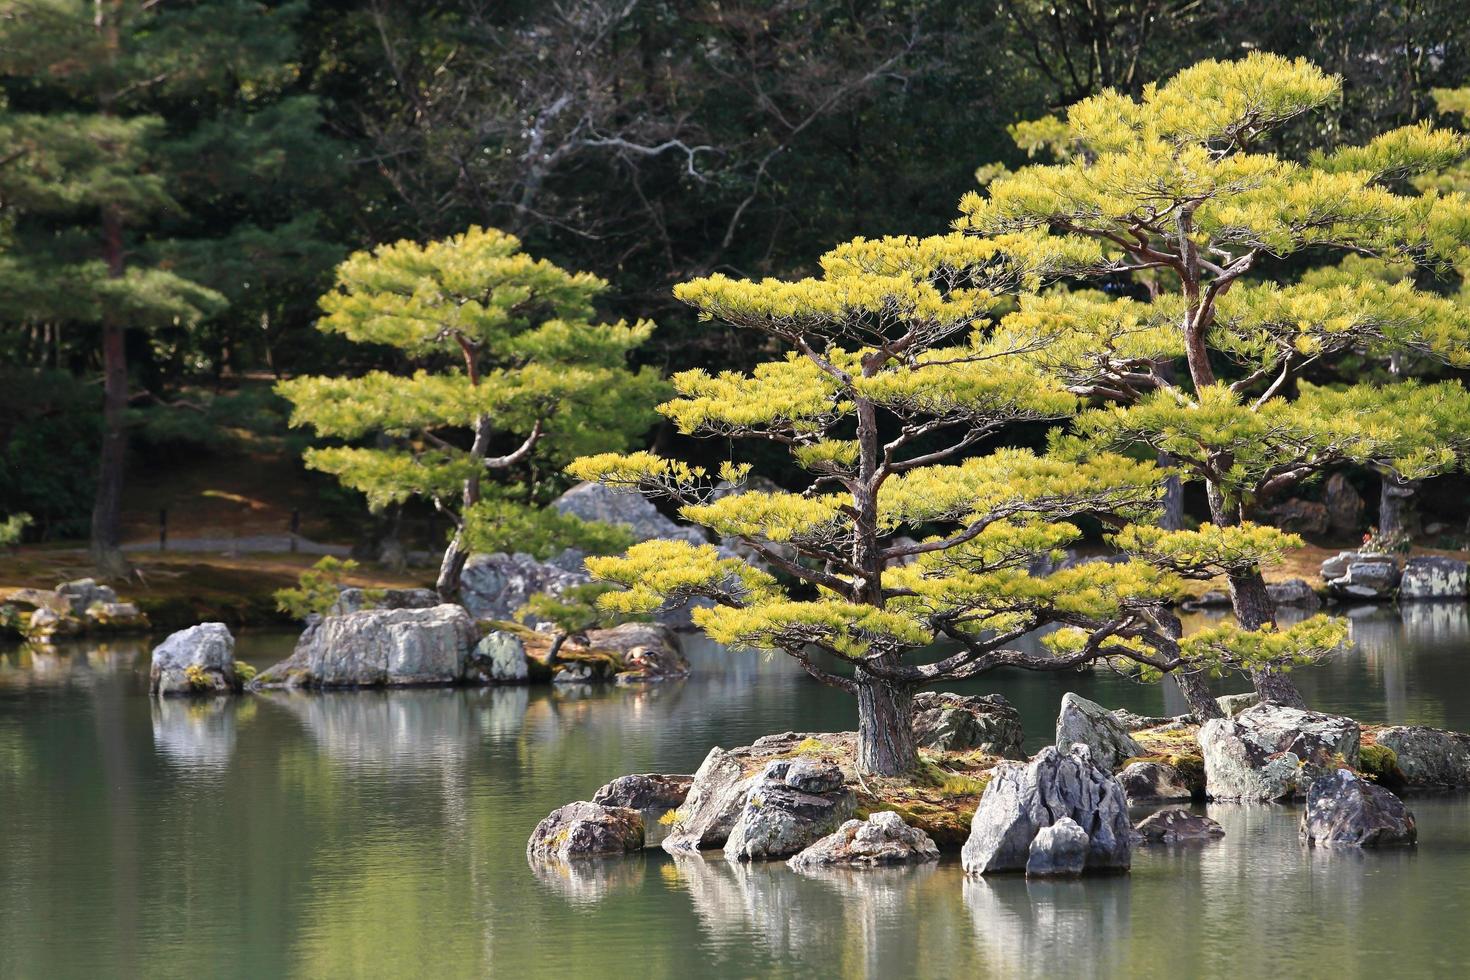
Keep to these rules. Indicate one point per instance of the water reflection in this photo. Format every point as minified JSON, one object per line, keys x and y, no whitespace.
{"x":196,"y":733}
{"x":1050,"y":928}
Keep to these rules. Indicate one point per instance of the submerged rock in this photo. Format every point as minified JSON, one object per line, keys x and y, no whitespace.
{"x":197,"y":660}
{"x":1433,"y":577}
{"x":1344,"y":809}
{"x":1022,"y":799}
{"x":379,"y":648}
{"x":1175,"y":825}
{"x":1428,"y":757}
{"x":586,"y":830}
{"x":961,"y":723}
{"x":1270,"y":752}
{"x":1058,"y":851}
{"x":882,"y":839}
{"x":789,"y":806}
{"x":1153,"y":782}
{"x":1084,"y":722}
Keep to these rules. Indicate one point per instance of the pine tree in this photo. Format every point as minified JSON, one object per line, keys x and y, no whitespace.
{"x":1182,"y":185}
{"x":898,"y":371}
{"x":511,"y":374}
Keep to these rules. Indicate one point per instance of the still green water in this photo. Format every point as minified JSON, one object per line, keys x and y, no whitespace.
{"x":383,"y":834}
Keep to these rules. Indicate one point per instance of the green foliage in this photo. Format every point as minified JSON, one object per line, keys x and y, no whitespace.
{"x":573,"y":612}
{"x":1380,"y":762}
{"x":12,"y":528}
{"x":318,"y":588}
{"x":245,"y":672}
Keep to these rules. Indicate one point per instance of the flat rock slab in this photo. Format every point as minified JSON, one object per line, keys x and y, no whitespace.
{"x":1176,"y":825}
{"x":881,"y":840}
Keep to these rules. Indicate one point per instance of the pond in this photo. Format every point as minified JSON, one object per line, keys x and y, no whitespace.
{"x":383,"y":834}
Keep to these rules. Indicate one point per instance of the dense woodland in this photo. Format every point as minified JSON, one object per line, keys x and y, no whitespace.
{"x":179,"y":180}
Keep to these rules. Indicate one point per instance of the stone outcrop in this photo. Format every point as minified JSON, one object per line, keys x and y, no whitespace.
{"x":1295,"y":593}
{"x":595,"y":502}
{"x":649,"y":652}
{"x":1021,"y":799}
{"x":498,"y":658}
{"x":1234,"y":704}
{"x":74,"y":609}
{"x":1058,"y":851}
{"x":1270,"y":752}
{"x":882,"y":839}
{"x":1153,"y":782}
{"x":708,"y":813}
{"x":645,"y":791}
{"x":379,"y":648}
{"x":1428,"y":758}
{"x":960,"y":723}
{"x":788,"y":807}
{"x":1175,"y":825}
{"x":354,"y":599}
{"x":1084,"y":722}
{"x":1301,"y":516}
{"x":1433,"y":577}
{"x":1346,"y":810}
{"x":1366,"y":578}
{"x":586,"y":830}
{"x":197,"y":660}
{"x":496,"y":586}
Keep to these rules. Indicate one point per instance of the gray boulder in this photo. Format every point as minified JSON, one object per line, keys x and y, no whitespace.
{"x":499,"y":658}
{"x":1369,"y":578}
{"x":1433,"y":577}
{"x":1234,"y":704}
{"x":882,"y":839}
{"x":496,"y":586}
{"x":645,"y":791}
{"x":197,"y":660}
{"x":1294,"y":592}
{"x":1174,"y":825}
{"x":1337,"y":565}
{"x":781,"y":818}
{"x":594,"y":502}
{"x":379,"y":648}
{"x":1058,"y":851}
{"x":83,"y":593}
{"x":1346,"y":810}
{"x":1153,"y":782}
{"x":963,"y":723}
{"x":586,"y":830}
{"x":1429,"y":757}
{"x":1084,"y":722}
{"x":1271,"y":752}
{"x":1023,"y":798}
{"x":716,"y":798}
{"x":354,"y":599}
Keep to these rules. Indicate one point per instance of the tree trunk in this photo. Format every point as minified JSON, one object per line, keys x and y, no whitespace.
{"x":885,"y":727}
{"x":1394,"y":516}
{"x":1197,"y":692}
{"x":106,"y":545}
{"x":450,"y":570}
{"x":1254,"y":609}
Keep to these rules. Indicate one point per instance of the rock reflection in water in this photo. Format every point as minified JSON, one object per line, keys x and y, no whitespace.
{"x":196,"y":734}
{"x":587,"y":882}
{"x":1050,"y":928}
{"x":403,"y":730}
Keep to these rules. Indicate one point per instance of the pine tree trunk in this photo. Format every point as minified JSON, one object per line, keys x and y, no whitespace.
{"x":106,"y":545}
{"x":1254,"y":609}
{"x":1172,"y":518}
{"x":885,"y":727}
{"x":1201,"y":702}
{"x":1393,"y":506}
{"x":451,"y":568}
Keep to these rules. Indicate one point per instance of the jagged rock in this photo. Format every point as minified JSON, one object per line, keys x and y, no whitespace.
{"x":1084,"y":722}
{"x":1271,"y":752}
{"x":960,"y":723}
{"x":82,"y":593}
{"x":595,"y":502}
{"x":354,"y":599}
{"x":780,"y":817}
{"x":1337,"y":565}
{"x":1369,"y":578}
{"x":1234,"y":704}
{"x":379,"y":648}
{"x":1174,"y":825}
{"x":645,"y":791}
{"x":1433,"y":577}
{"x":1153,"y":782}
{"x":650,"y":652}
{"x":882,"y":839}
{"x":716,"y":797}
{"x":1428,"y":757}
{"x":586,"y":830}
{"x":496,"y":586}
{"x":1344,"y":809}
{"x":1300,"y":516}
{"x":197,"y":660}
{"x":1294,"y":592}
{"x":1344,"y":505}
{"x":1058,"y":851}
{"x":1023,"y":798}
{"x":499,"y":658}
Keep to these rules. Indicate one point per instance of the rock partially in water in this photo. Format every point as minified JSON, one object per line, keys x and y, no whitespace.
{"x":1337,"y":565}
{"x":379,"y":648}
{"x":1234,"y":704}
{"x":1368,"y":578}
{"x":499,"y":658}
{"x":1022,"y":799}
{"x":882,"y":839}
{"x":716,"y":797}
{"x":645,"y":791}
{"x":1433,"y":577}
{"x":780,"y":817}
{"x":1084,"y":722}
{"x":1429,"y":758}
{"x":1271,"y":752}
{"x":1346,"y":810}
{"x":963,"y":723}
{"x":1176,"y":825}
{"x":650,"y":652}
{"x":197,"y":660}
{"x":586,"y":830}
{"x":1294,"y":592}
{"x":1153,"y":782}
{"x":1058,"y":851}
